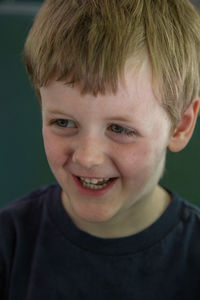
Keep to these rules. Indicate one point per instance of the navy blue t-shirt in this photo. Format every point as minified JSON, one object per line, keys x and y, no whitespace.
{"x":43,"y":255}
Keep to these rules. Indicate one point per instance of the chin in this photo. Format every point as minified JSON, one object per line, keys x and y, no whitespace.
{"x":96,"y":212}
{"x":93,"y":215}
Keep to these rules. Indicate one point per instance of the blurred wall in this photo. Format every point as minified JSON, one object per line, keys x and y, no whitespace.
{"x":196,"y":2}
{"x":22,"y":159}
{"x":23,"y":165}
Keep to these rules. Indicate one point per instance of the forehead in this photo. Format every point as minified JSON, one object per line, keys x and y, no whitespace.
{"x":133,"y":87}
{"x":134,"y":98}
{"x":134,"y":103}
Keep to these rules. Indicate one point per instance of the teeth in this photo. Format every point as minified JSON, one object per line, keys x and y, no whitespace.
{"x":93,"y":180}
{"x":93,"y":186}
{"x":94,"y":183}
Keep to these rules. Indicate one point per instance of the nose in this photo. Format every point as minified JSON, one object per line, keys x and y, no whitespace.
{"x":88,"y":154}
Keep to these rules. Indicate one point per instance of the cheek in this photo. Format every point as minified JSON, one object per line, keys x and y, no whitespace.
{"x":55,"y":148}
{"x":137,"y":160}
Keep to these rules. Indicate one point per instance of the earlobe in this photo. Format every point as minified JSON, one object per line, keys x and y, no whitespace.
{"x":185,"y":128}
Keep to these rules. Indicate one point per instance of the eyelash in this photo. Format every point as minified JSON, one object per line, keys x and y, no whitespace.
{"x":126,"y":131}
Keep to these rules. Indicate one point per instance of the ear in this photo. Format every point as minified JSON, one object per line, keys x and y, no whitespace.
{"x":185,"y":128}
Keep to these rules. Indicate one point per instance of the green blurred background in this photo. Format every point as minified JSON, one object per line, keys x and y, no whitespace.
{"x":23,"y":165}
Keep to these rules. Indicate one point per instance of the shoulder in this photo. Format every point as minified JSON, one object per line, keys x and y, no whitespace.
{"x":184,"y":212}
{"x":181,"y":221}
{"x":20,"y":225}
{"x":188,"y":228}
{"x":23,"y":216}
{"x":27,"y":203}
{"x":190,"y":213}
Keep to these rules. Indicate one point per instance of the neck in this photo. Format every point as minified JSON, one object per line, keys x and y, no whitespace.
{"x":136,"y":218}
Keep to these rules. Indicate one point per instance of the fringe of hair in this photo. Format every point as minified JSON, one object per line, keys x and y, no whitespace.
{"x":88,"y":42}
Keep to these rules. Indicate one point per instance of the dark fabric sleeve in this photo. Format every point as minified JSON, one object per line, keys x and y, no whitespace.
{"x":2,"y":278}
{"x":7,"y":241}
{"x":2,"y":265}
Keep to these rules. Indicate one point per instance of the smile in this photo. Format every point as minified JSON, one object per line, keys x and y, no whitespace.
{"x":94,"y":183}
{"x":93,"y":186}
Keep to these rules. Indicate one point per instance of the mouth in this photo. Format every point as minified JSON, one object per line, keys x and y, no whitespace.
{"x":95,"y":183}
{"x":94,"y":186}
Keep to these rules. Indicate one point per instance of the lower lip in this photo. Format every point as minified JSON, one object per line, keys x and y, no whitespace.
{"x":89,"y":192}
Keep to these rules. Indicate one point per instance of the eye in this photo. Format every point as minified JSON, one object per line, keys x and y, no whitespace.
{"x":65,"y":123}
{"x":120,"y":130}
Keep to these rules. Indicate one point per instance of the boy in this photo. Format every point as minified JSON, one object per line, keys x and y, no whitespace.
{"x":118,"y":83}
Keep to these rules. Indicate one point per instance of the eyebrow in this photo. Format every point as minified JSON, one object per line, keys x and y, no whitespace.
{"x":58,"y":114}
{"x":124,"y":118}
{"x":54,"y":111}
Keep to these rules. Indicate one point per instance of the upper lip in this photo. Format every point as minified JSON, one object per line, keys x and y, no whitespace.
{"x":93,"y":177}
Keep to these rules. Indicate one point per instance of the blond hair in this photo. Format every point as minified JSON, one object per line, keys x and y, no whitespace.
{"x":89,"y":41}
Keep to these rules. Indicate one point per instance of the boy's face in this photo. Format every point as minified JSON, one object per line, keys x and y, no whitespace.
{"x":122,"y":136}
